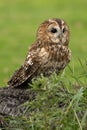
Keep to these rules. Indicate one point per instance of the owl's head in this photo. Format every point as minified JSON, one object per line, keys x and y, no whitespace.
{"x":54,"y":31}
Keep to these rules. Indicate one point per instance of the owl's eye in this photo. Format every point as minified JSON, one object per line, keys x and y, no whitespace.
{"x":64,"y":30}
{"x":53,"y":30}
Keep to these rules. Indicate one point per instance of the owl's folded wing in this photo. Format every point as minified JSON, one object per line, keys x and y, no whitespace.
{"x":24,"y":73}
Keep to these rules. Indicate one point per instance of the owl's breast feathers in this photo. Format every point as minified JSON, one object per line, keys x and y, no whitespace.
{"x":48,"y":52}
{"x":50,"y":57}
{"x":53,"y":57}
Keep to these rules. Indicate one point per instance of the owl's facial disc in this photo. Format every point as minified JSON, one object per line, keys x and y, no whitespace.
{"x":58,"y":31}
{"x":55,"y":33}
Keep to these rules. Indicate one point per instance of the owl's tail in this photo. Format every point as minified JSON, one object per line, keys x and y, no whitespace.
{"x":19,"y":78}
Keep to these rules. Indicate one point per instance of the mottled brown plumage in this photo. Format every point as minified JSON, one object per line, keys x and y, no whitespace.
{"x":48,"y":54}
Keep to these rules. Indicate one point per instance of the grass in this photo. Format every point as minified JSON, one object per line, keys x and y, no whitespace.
{"x":59,"y":105}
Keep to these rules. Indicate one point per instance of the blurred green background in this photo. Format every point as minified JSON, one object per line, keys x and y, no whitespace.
{"x":19,"y":20}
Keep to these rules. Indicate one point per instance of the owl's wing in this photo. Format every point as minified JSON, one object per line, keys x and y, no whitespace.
{"x":25,"y":72}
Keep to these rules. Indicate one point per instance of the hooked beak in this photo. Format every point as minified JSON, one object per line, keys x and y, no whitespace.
{"x":60,"y":35}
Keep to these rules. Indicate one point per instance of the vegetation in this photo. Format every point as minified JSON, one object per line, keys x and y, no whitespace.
{"x":61,"y":103}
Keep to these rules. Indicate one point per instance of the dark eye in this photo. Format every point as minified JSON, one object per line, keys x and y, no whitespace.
{"x":64,"y":30}
{"x":53,"y":30}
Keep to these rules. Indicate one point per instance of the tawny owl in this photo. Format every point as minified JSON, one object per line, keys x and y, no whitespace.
{"x":48,"y":54}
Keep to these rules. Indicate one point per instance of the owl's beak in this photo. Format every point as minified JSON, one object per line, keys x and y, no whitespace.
{"x":60,"y":35}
